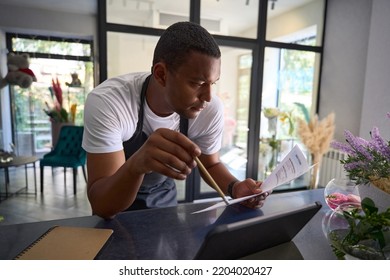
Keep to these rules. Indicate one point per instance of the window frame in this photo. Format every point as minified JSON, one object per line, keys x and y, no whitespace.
{"x":257,"y":46}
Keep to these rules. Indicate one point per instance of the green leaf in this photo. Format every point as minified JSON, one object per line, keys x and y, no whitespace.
{"x":64,"y":115}
{"x":304,"y":111}
{"x":368,"y":206}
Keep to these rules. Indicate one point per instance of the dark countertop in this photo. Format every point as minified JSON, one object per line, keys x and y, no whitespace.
{"x":175,"y":233}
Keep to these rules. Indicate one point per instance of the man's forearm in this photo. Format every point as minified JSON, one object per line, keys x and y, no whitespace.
{"x":221,"y":176}
{"x":113,"y":194}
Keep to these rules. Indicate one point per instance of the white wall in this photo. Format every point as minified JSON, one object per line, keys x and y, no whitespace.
{"x":44,"y":22}
{"x":376,"y":100}
{"x":129,"y":53}
{"x":344,"y":63}
{"x":296,"y":20}
{"x":356,"y":68}
{"x":5,"y":137}
{"x":49,"y":23}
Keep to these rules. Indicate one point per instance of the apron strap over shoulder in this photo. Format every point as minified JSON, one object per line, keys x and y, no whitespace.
{"x":156,"y":190}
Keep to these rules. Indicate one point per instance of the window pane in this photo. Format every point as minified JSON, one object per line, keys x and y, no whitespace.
{"x":289,"y":92}
{"x":150,"y":13}
{"x":230,"y":17}
{"x":129,"y":53}
{"x":234,"y":89}
{"x":296,"y":21}
{"x":51,"y":47}
{"x":32,"y":125}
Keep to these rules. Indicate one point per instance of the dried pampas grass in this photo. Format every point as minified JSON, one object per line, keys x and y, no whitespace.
{"x":316,"y":136}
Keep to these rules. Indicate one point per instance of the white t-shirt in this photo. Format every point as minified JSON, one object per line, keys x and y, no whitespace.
{"x":111,"y":116}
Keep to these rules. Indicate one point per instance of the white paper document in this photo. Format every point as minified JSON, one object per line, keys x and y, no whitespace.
{"x":291,"y":167}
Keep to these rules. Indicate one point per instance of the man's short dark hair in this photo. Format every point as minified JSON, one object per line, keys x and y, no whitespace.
{"x":179,"y":40}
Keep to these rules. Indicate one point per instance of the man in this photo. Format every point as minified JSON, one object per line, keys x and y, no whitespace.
{"x":143,"y":130}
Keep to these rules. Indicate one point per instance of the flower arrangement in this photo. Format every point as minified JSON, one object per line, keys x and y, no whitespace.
{"x":271,"y":145}
{"x":272,"y":114}
{"x":287,"y":117}
{"x":316,"y":135}
{"x":57,"y":112}
{"x":368,"y":161}
{"x":367,"y":235}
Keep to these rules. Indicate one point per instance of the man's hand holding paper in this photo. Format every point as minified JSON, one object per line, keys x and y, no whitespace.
{"x":253,"y":192}
{"x":291,"y":167}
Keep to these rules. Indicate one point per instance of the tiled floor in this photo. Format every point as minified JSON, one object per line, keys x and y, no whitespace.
{"x":56,"y":201}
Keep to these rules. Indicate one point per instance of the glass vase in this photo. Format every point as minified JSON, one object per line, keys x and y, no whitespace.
{"x":272,"y":162}
{"x":341,"y":191}
{"x":272,"y":124}
{"x":380,"y":198}
{"x":337,"y":229}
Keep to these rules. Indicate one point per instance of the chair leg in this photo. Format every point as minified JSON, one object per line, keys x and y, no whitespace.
{"x":64,"y":176}
{"x":41,"y":178}
{"x":74,"y":180}
{"x":85,"y":174}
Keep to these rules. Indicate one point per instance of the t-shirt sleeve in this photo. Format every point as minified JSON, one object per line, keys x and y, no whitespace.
{"x":101,"y":126}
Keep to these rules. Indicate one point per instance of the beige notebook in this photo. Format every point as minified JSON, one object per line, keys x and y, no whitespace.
{"x":67,"y":243}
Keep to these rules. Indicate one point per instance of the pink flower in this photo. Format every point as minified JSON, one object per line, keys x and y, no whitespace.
{"x":354,"y":198}
{"x":336,"y":199}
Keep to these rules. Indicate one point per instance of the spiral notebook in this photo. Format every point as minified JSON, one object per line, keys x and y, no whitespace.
{"x":67,"y":243}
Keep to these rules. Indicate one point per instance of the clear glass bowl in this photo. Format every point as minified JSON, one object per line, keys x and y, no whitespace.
{"x":336,"y":227}
{"x":341,"y":191}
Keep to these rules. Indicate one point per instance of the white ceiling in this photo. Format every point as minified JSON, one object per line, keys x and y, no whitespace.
{"x":71,"y":6}
{"x":90,"y":6}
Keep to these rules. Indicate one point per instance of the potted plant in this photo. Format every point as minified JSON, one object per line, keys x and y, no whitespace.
{"x":316,"y":135}
{"x":59,"y":116}
{"x":363,"y":231}
{"x":360,"y":233}
{"x":368,"y":165}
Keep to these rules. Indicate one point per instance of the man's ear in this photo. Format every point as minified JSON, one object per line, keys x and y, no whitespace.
{"x":159,"y":73}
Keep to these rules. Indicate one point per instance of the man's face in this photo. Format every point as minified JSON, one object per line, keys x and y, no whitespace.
{"x":190,"y":87}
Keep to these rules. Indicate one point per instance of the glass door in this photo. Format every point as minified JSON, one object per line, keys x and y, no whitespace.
{"x":51,"y":59}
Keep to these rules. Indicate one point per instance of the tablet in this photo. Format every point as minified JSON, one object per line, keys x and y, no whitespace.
{"x":239,"y":239}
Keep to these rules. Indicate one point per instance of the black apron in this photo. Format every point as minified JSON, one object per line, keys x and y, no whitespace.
{"x":156,"y":190}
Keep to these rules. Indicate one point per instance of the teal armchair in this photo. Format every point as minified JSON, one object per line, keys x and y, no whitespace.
{"x":67,"y":153}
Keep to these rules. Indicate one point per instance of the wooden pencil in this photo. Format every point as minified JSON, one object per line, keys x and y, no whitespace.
{"x":211,"y":180}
